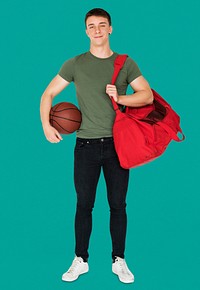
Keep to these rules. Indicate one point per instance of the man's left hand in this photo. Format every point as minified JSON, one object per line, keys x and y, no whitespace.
{"x":111,"y":90}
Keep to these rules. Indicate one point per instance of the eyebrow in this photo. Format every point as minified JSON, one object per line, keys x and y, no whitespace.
{"x":99,"y":23}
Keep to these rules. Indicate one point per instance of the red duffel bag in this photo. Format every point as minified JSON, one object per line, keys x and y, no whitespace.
{"x":142,"y":134}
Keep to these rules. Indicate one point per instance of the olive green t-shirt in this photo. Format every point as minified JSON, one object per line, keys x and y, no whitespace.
{"x":90,"y":75}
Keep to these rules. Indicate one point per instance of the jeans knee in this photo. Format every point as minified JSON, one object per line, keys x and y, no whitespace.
{"x":83,"y":209}
{"x":118,"y":208}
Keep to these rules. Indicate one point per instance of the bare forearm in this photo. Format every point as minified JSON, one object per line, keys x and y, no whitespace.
{"x":138,"y":99}
{"x":54,"y":88}
{"x":45,"y":107}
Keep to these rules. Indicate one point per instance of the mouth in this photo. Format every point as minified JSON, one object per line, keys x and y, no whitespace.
{"x":98,"y":36}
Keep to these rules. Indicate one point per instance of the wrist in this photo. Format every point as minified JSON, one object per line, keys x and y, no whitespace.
{"x":119,"y":100}
{"x":46,"y":125}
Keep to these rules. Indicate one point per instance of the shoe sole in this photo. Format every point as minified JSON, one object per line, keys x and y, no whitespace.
{"x":65,"y":280}
{"x":121,"y":279}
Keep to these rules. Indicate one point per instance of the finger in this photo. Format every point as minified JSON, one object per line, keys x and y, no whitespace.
{"x":111,"y":89}
{"x":53,"y":139}
{"x":111,"y":92}
{"x":56,"y":140}
{"x":50,"y":140}
{"x":58,"y":136}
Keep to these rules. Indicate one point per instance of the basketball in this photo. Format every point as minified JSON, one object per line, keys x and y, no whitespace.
{"x":65,"y":117}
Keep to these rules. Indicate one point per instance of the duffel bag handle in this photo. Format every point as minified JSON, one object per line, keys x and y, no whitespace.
{"x":171,"y":132}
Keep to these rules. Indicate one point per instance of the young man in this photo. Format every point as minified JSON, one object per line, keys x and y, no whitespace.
{"x":91,"y":73}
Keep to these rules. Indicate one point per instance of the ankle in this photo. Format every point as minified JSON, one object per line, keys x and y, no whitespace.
{"x":115,"y":257}
{"x":85,"y":260}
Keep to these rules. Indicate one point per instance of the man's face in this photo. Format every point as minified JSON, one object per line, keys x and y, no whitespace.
{"x":98,"y":29}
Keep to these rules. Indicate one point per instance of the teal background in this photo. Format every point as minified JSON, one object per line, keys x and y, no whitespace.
{"x":37,"y":192}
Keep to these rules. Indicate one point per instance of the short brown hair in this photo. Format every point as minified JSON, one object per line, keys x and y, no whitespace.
{"x":98,"y":12}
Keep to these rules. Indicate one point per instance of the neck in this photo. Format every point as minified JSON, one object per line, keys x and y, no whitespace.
{"x":101,"y":51}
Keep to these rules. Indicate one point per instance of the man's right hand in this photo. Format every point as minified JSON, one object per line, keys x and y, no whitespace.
{"x":52,"y":134}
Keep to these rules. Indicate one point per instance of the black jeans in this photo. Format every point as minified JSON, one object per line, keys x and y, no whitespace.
{"x":90,"y":156}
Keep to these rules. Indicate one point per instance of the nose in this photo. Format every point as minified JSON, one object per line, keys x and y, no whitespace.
{"x":97,"y":30}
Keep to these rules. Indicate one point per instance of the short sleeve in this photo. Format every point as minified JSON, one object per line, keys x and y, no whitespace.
{"x":133,"y":70}
{"x":67,"y":70}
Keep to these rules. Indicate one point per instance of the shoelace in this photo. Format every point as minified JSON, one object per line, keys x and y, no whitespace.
{"x":74,"y":265}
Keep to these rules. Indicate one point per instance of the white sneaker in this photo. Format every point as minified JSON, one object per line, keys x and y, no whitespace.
{"x":120,"y":268}
{"x":78,"y":267}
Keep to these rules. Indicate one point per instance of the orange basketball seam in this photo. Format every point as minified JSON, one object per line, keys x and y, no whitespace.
{"x":66,"y":119}
{"x":66,"y":109}
{"x":55,"y":107}
{"x":62,"y":127}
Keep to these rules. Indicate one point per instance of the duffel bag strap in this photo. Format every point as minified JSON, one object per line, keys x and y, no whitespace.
{"x":118,"y":64}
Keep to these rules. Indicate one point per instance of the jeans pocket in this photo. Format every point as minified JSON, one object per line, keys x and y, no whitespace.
{"x":79,"y":145}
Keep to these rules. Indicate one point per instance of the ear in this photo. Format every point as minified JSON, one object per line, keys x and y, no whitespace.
{"x":86,"y":32}
{"x":110,"y":29}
